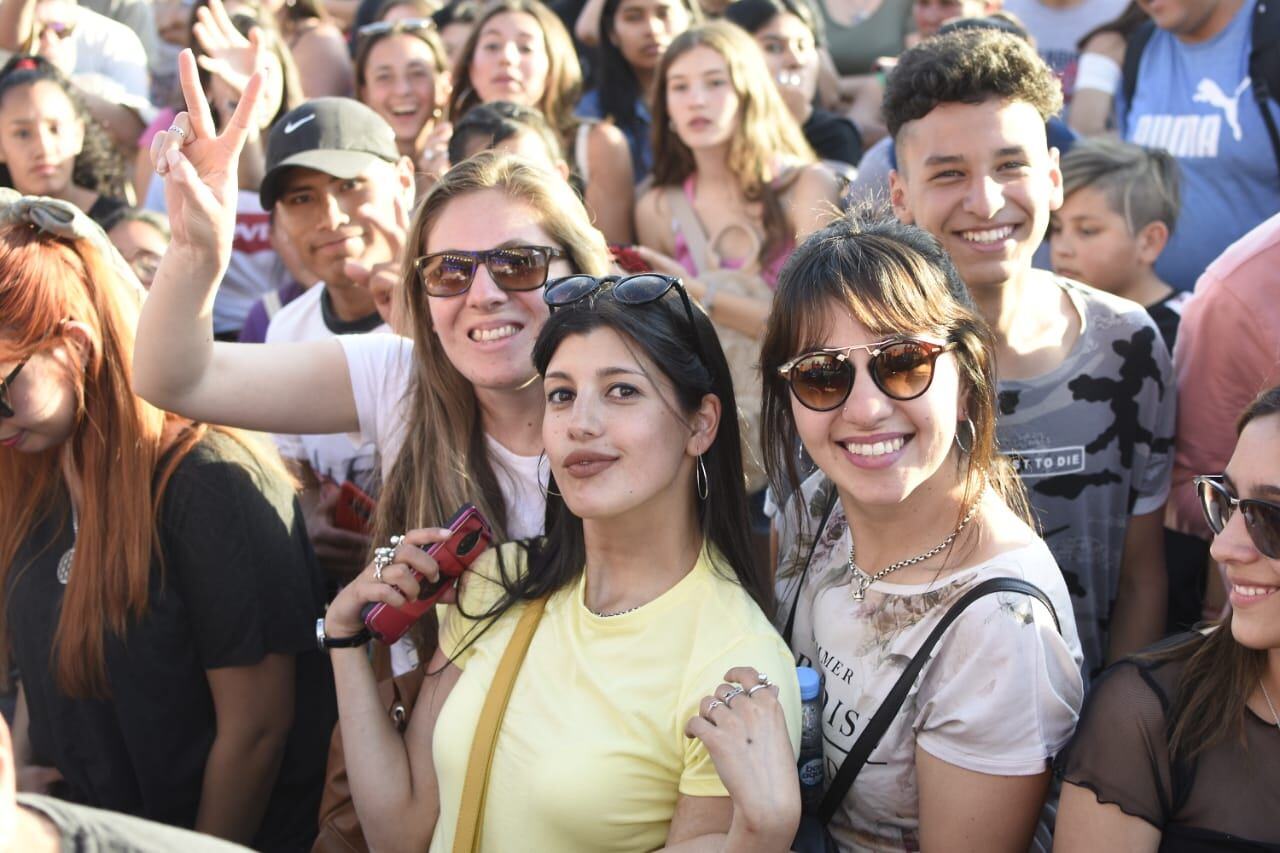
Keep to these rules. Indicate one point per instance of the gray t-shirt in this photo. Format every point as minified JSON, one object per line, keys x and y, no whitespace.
{"x":1093,"y":440}
{"x":87,"y":830}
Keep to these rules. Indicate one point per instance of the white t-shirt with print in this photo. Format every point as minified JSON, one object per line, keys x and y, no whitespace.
{"x":1000,"y":696}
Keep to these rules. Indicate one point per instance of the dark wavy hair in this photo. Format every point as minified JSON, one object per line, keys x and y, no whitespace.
{"x":99,"y":166}
{"x":659,"y":330}
{"x":968,"y":67}
{"x":616,"y":83}
{"x":894,"y":279}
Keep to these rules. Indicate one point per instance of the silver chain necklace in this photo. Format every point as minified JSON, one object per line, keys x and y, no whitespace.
{"x":64,"y":562}
{"x":860,"y":580}
{"x":1267,"y":696}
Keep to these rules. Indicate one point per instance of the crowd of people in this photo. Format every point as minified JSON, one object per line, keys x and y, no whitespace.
{"x":461,"y":427}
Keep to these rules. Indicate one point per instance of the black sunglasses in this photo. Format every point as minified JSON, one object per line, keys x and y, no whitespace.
{"x":6,"y":408}
{"x":639,"y":289}
{"x":823,"y":379}
{"x":450,"y":273}
{"x":1261,"y":518}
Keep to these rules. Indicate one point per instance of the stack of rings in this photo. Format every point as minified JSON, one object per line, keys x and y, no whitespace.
{"x":736,"y":691}
{"x":385,"y":556}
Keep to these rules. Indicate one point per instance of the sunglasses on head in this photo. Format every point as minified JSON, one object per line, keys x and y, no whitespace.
{"x":639,"y":289}
{"x":61,"y":29}
{"x":6,"y":407}
{"x":404,"y":25}
{"x":450,"y":273}
{"x":823,"y":379}
{"x":1261,"y":518}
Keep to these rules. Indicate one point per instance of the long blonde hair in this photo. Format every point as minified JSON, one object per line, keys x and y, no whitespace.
{"x":767,"y":139}
{"x":445,"y":462}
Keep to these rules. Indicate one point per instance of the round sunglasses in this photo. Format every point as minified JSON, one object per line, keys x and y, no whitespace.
{"x":6,"y":406}
{"x":823,"y":379}
{"x":1261,"y":518}
{"x":512,"y":268}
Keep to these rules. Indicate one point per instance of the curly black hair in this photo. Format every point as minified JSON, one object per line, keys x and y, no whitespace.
{"x":968,"y":67}
{"x":99,"y":166}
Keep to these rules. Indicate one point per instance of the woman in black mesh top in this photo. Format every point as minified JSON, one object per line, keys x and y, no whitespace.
{"x":1178,"y":748}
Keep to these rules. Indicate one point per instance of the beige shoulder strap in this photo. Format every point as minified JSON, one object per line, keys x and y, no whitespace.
{"x":687,"y":221}
{"x":466,"y":838}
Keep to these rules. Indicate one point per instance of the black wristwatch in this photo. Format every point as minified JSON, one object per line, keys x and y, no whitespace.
{"x":326,"y":642}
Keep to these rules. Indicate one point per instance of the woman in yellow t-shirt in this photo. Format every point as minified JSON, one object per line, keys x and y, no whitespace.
{"x":652,"y":595}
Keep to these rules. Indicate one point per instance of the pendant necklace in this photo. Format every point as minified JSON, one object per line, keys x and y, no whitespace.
{"x":1267,"y":696}
{"x":860,"y":580}
{"x":64,"y":563}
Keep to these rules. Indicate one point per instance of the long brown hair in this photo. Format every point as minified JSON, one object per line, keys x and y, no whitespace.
{"x":123,"y":448}
{"x":564,"y":74}
{"x":893,"y":279}
{"x":766,"y":141}
{"x":1220,"y":673}
{"x":445,"y":462}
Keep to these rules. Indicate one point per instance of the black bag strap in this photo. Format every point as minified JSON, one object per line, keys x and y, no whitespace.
{"x":804,"y":571}
{"x":1264,"y":68}
{"x":1133,"y":49}
{"x":871,"y":735}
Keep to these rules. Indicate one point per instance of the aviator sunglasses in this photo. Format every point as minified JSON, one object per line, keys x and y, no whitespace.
{"x":823,"y":379}
{"x":1261,"y":518}
{"x":639,"y":289}
{"x":6,"y":407}
{"x":512,"y":268}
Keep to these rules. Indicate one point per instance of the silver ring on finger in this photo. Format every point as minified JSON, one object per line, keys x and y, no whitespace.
{"x":181,"y":133}
{"x":715,"y":703}
{"x":733,"y":693}
{"x":761,"y":686}
{"x":764,"y":679}
{"x":382,"y":557}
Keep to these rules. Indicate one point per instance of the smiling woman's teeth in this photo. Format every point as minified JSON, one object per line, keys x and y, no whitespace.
{"x":493,"y":334}
{"x":880,"y":448}
{"x":1252,"y":591}
{"x":991,"y":236}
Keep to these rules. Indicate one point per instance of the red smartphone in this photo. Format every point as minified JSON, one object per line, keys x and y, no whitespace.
{"x":354,"y":510}
{"x":471,"y":535}
{"x":629,"y":259}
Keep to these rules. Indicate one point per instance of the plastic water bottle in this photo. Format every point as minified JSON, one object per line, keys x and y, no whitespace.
{"x":810,"y":763}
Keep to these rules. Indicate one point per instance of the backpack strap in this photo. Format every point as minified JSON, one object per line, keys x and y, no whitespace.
{"x":1133,"y":49}
{"x":687,"y":221}
{"x":888,"y":710}
{"x":1264,"y":67}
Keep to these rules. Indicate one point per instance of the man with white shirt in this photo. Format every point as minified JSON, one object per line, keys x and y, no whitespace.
{"x":333,"y":174}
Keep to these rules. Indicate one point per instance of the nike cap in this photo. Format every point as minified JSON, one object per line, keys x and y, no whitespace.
{"x":338,"y":136}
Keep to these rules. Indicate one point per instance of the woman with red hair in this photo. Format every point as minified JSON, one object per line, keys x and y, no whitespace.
{"x":158,"y":589}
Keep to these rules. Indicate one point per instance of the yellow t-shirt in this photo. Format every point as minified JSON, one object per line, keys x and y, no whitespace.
{"x":592,"y":753}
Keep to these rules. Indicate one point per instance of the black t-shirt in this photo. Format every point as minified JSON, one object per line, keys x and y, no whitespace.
{"x":833,"y":137}
{"x":86,"y":830}
{"x":239,"y":582}
{"x":1226,"y":800}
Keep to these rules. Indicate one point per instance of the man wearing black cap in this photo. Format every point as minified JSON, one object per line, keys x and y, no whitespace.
{"x":333,"y":180}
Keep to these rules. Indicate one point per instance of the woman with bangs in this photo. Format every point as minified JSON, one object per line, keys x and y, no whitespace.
{"x":877,"y":364}
{"x":519,"y":51}
{"x":402,"y":73}
{"x":731,"y":164}
{"x":159,"y":589}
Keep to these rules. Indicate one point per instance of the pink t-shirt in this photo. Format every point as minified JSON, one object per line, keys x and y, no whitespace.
{"x":1228,"y":352}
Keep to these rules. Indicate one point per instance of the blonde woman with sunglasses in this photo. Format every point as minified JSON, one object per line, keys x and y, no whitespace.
{"x":876,"y":363}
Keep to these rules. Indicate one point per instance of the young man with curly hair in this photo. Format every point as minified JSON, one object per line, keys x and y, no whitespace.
{"x":1086,"y":390}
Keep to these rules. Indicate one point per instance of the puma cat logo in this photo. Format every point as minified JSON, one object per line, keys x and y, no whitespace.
{"x":1209,"y":93}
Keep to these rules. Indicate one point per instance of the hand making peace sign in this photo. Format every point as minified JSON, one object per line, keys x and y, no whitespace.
{"x":200,"y":166}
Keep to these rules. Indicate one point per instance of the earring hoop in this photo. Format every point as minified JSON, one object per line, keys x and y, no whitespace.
{"x":546,"y":489}
{"x":973,"y":435}
{"x":703,"y":483}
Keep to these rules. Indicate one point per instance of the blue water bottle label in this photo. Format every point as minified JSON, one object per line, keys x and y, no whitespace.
{"x":811,"y":773}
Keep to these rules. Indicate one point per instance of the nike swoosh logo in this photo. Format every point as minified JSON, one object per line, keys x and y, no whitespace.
{"x":294,"y":125}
